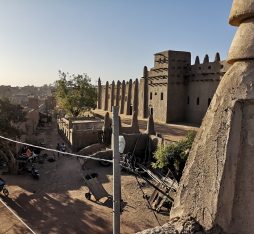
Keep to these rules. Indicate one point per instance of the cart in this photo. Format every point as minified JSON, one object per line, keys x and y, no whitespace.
{"x":95,"y":188}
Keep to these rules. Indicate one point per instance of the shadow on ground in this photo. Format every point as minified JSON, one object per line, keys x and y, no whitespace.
{"x":64,"y":215}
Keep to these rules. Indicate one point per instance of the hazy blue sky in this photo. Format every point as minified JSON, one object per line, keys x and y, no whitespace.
{"x":111,"y":39}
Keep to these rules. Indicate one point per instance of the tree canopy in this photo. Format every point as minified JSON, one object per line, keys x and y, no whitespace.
{"x":10,"y":116}
{"x":174,"y":156}
{"x":75,"y":93}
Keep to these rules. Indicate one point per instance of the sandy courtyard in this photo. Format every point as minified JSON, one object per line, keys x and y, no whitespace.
{"x":56,"y":203}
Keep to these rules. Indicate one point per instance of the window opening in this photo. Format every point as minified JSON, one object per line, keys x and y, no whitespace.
{"x":198,"y":101}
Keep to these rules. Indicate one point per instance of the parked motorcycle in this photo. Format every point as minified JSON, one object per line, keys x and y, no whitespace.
{"x":3,"y":188}
{"x":34,"y":172}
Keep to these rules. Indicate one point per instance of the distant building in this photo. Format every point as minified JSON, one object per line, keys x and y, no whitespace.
{"x":19,"y":99}
{"x":29,"y":126}
{"x":172,"y":91}
{"x":33,"y":102}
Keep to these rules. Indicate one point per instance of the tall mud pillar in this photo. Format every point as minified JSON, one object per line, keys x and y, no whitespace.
{"x":128,"y":107}
{"x":112,"y":95}
{"x":145,"y":88}
{"x":99,"y":94}
{"x":134,"y":123}
{"x":118,"y":84}
{"x":217,"y":186}
{"x":106,"y":97}
{"x":122,"y":97}
{"x":150,"y":130}
{"x":107,"y":130}
{"x":135,"y":97}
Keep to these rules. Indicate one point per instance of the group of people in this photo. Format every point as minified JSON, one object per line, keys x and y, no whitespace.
{"x":28,"y":153}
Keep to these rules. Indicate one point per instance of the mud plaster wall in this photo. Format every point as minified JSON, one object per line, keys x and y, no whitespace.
{"x":203,"y":81}
{"x":81,"y":139}
{"x":243,"y":202}
{"x":198,"y":98}
{"x":217,"y":153}
{"x":177,"y":68}
{"x":154,"y":101}
{"x":175,"y":77}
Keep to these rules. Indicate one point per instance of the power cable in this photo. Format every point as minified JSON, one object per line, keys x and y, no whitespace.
{"x":78,"y":156}
{"x":17,"y":216}
{"x":56,"y":151}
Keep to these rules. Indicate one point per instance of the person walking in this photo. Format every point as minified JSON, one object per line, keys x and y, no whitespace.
{"x":58,"y":147}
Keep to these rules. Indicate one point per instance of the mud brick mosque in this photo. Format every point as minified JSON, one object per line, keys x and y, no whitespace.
{"x":172,"y":91}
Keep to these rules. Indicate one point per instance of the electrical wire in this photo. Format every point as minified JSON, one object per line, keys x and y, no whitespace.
{"x":74,"y":155}
{"x":17,"y":216}
{"x":78,"y":156}
{"x":56,"y":151}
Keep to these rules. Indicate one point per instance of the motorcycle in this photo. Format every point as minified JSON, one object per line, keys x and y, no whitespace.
{"x":34,"y":172}
{"x":3,"y":188}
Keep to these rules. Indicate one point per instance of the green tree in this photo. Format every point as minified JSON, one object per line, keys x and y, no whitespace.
{"x":10,"y":117}
{"x":174,"y":156}
{"x":75,"y":93}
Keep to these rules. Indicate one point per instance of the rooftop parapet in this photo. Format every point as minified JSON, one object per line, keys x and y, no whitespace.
{"x":206,"y":59}
{"x":206,"y":69}
{"x":197,"y":61}
{"x":217,"y":57}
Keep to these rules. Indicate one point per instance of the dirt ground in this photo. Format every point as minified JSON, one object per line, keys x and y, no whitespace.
{"x":56,"y":202}
{"x":9,"y":223}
